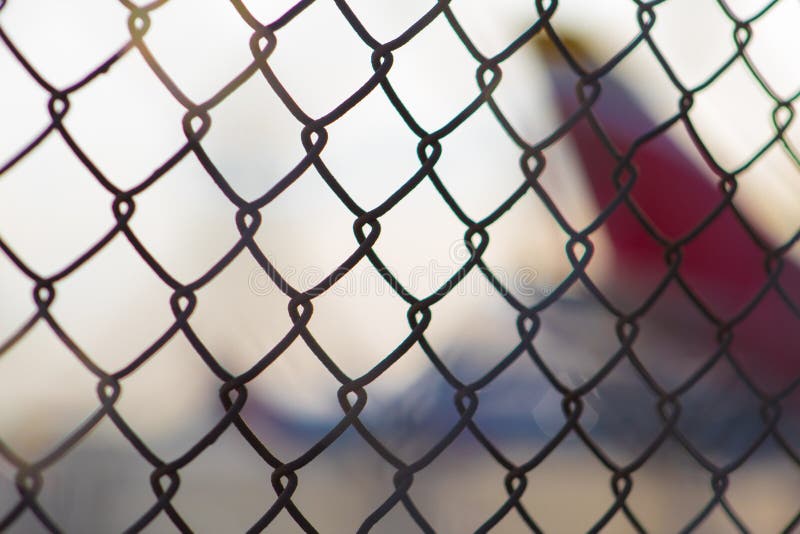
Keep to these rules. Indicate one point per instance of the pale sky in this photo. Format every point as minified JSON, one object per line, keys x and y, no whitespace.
{"x":51,"y":209}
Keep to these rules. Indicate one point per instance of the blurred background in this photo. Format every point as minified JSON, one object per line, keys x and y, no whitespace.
{"x":113,"y":307}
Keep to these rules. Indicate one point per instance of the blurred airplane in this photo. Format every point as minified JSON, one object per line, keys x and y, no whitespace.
{"x":663,"y":212}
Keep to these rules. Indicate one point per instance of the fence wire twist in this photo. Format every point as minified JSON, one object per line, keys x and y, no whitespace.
{"x":233,"y":389}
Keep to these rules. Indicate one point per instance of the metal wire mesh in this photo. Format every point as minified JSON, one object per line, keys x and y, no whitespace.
{"x":669,"y":405}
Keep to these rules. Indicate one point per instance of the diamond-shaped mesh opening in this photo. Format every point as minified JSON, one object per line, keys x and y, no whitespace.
{"x":440,"y":266}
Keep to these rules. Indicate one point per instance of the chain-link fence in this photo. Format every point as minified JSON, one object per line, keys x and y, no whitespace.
{"x":633,"y":361}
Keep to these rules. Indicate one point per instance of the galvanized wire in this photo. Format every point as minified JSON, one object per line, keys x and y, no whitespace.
{"x":352,"y":395}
